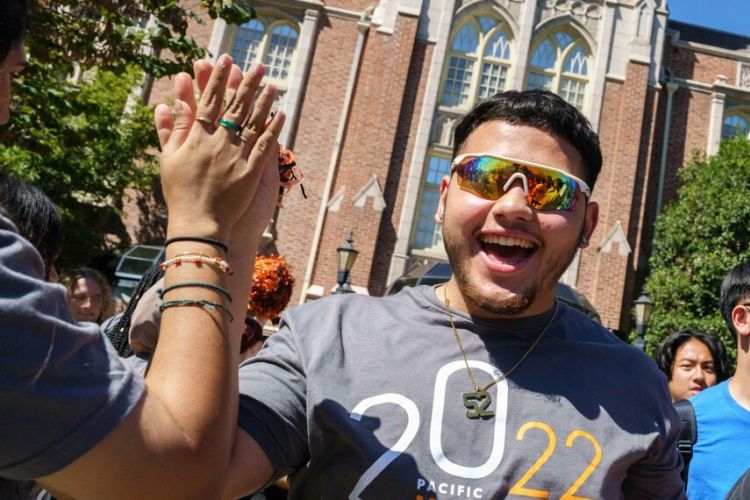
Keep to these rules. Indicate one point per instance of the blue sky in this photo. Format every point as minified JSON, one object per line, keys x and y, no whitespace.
{"x":725,"y":15}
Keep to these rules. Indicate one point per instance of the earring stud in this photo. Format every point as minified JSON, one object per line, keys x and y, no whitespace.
{"x":440,"y":216}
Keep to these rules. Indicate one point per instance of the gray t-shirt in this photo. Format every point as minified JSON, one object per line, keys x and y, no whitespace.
{"x":62,"y":386}
{"x":361,"y":397}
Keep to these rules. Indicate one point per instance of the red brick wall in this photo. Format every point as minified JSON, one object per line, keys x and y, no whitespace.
{"x":316,"y":133}
{"x":603,"y":276}
{"x":394,"y":191}
{"x":697,"y":66}
{"x":368,"y":148}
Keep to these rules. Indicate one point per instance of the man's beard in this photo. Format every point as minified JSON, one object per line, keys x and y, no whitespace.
{"x":519,"y":302}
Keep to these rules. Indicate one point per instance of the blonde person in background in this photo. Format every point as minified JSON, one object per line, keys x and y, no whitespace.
{"x":89,"y":295}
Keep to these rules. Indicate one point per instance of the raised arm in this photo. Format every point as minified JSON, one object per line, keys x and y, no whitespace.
{"x":219,"y":184}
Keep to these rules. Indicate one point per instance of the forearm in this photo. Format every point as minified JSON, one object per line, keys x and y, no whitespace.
{"x":194,"y":368}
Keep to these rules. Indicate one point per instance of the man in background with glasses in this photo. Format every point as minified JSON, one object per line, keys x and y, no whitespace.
{"x":482,"y":387}
{"x":722,"y":413}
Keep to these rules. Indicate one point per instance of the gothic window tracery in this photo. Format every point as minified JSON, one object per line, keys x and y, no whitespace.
{"x":269,"y":40}
{"x":560,"y":63}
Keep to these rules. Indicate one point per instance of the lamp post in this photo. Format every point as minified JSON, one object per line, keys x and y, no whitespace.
{"x":643,"y":308}
{"x":345,"y":257}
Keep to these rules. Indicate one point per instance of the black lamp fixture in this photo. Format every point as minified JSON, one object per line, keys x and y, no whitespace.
{"x":643,"y":308}
{"x":345,"y":257}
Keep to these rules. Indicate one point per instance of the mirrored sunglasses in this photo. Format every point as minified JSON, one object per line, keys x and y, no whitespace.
{"x":546,"y":188}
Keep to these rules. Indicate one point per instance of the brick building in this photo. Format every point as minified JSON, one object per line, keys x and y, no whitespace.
{"x":372,"y":92}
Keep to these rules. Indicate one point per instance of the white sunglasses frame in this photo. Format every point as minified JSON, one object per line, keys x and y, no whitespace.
{"x":518,"y":175}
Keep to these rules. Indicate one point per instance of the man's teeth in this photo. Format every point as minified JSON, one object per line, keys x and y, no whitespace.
{"x":507,"y":241}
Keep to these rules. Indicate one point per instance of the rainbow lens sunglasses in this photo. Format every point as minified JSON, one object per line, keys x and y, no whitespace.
{"x":489,"y":176}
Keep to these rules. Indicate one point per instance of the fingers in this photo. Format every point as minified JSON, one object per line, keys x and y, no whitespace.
{"x":267,"y":147}
{"x":239,"y":108}
{"x":257,"y":122}
{"x":164,"y":123}
{"x":263,"y":182}
{"x":212,"y":98}
{"x":202,"y":71}
{"x":183,"y":90}
{"x":180,"y":127}
{"x":235,"y":79}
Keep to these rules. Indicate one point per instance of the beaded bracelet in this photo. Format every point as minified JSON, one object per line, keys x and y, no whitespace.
{"x":198,"y":259}
{"x":205,"y":304}
{"x":198,"y":239}
{"x":199,"y":284}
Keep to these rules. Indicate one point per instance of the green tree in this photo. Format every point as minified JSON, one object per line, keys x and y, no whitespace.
{"x":699,"y":238}
{"x":78,"y":130}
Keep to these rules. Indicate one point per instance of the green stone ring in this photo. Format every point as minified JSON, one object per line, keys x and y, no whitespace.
{"x":230,"y":125}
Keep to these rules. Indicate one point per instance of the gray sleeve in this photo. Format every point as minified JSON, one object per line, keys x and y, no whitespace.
{"x":62,"y":386}
{"x":657,"y":475}
{"x":273,"y":402}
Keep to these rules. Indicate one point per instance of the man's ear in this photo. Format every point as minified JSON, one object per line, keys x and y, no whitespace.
{"x":741,"y":320}
{"x":591,"y":219}
{"x":440,"y":214}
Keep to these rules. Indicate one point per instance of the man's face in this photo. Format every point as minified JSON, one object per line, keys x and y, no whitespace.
{"x":86,"y":300}
{"x":506,"y":256}
{"x":692,"y":371}
{"x":13,"y":64}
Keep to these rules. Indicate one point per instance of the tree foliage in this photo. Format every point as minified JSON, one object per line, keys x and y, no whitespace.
{"x":78,"y":130}
{"x":699,"y":238}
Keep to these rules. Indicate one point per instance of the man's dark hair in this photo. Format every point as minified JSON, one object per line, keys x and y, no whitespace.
{"x":667,"y":352}
{"x":35,"y":216}
{"x":539,"y":109}
{"x":734,"y":288}
{"x":12,"y":25}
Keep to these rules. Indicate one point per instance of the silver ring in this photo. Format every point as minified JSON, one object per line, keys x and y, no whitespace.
{"x":204,"y":120}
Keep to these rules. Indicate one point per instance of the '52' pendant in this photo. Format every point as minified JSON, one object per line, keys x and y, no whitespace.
{"x":476,"y":404}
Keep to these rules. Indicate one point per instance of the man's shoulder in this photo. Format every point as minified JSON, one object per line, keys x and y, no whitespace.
{"x":355,"y":304}
{"x":581,"y":328}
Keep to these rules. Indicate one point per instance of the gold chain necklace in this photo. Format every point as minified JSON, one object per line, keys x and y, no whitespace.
{"x":476,"y":402}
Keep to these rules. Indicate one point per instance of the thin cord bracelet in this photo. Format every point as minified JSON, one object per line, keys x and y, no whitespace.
{"x":198,"y":259}
{"x":199,"y":239}
{"x":199,"y":284}
{"x":205,"y":304}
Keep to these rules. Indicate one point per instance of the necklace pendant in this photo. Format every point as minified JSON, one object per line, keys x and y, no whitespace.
{"x":476,"y":404}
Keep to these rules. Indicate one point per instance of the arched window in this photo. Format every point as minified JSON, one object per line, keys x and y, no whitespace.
{"x":477,"y":65}
{"x":268,"y":40}
{"x":478,"y":62}
{"x":735,"y":124}
{"x":560,"y":63}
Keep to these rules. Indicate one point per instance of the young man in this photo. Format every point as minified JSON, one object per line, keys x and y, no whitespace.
{"x":485,"y":386}
{"x":722,"y":413}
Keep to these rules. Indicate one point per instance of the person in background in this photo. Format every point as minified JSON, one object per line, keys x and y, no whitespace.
{"x":36,"y":218}
{"x":692,"y":361}
{"x":89,"y":295}
{"x":721,"y":454}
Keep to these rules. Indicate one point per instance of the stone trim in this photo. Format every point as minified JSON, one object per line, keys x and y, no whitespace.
{"x":707,"y":49}
{"x":421,"y":144}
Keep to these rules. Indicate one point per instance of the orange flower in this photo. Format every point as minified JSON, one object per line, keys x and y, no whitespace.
{"x":272,"y":286}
